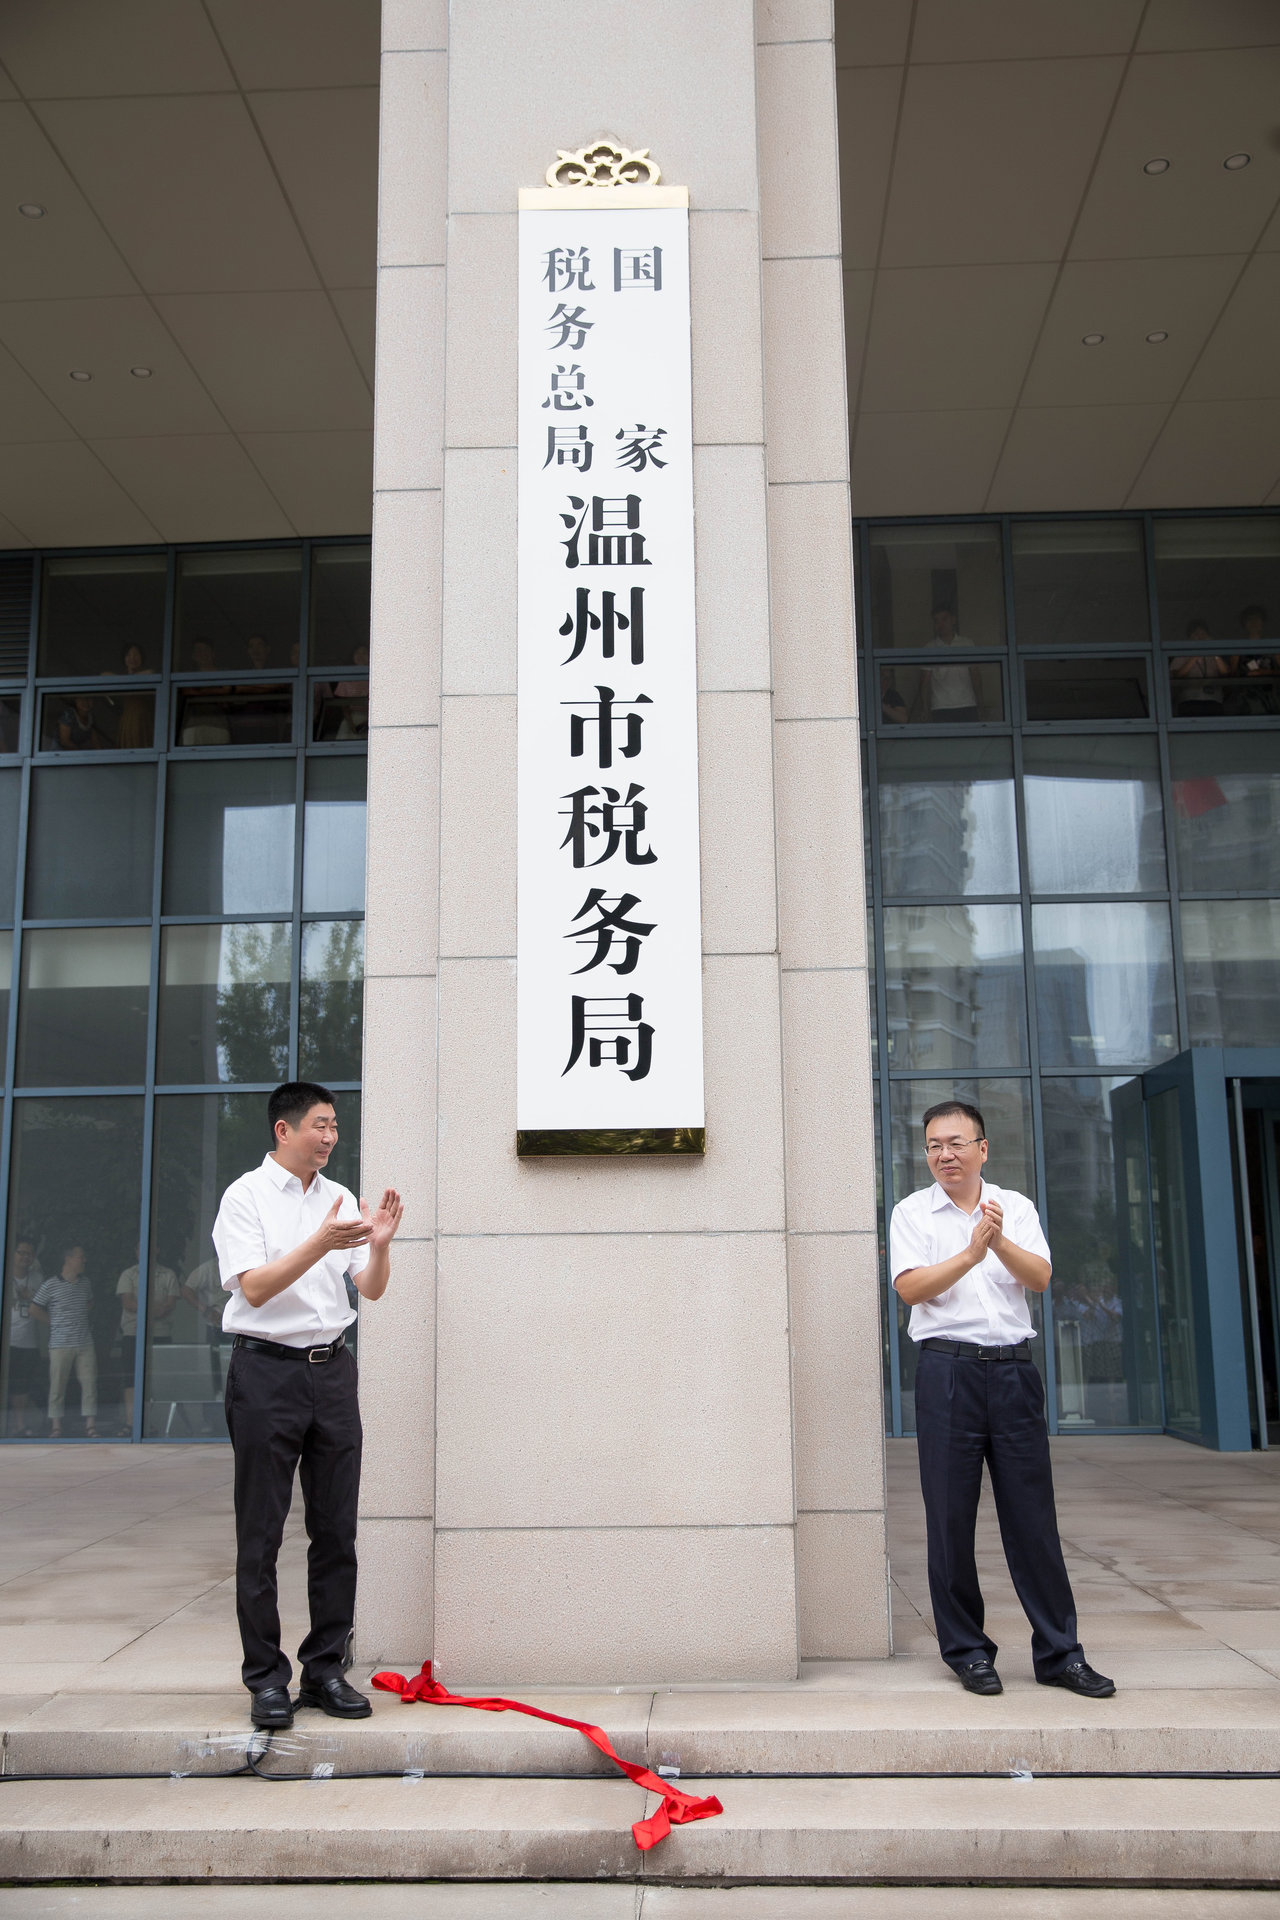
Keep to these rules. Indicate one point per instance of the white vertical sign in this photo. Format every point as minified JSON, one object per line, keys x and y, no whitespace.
{"x":609,"y":952}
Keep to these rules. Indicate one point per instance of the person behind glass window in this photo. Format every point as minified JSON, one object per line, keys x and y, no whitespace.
{"x":204,"y":712}
{"x":78,"y":732}
{"x":136,"y":709}
{"x":948,"y":693}
{"x":257,"y":652}
{"x":1205,"y":670}
{"x":963,"y":1255}
{"x":162,"y":1297}
{"x":66,"y":1302}
{"x":26,"y":1369}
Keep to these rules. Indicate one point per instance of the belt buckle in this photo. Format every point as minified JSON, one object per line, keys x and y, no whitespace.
{"x":316,"y":1356}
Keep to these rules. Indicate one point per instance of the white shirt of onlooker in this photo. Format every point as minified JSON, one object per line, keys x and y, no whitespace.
{"x":23,"y":1331}
{"x":986,"y":1307}
{"x":164,"y":1286}
{"x":265,"y":1215}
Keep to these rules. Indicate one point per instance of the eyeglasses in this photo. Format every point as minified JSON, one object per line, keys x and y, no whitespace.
{"x":935,"y":1147}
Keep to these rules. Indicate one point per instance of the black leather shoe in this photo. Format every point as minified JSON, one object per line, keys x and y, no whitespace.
{"x":272,"y":1708}
{"x":980,"y":1677}
{"x":334,"y":1696}
{"x":1080,"y":1677}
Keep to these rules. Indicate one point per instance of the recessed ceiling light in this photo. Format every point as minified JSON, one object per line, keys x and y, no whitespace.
{"x":140,"y":373}
{"x":79,"y":374}
{"x":1154,"y":339}
{"x":30,"y":211}
{"x":1156,"y":166}
{"x":1234,"y":161}
{"x":1092,"y":339}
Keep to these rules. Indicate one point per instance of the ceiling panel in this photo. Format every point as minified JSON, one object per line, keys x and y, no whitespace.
{"x":300,"y":43}
{"x":60,"y":48}
{"x":324,"y":481}
{"x":872,"y":33}
{"x":925,"y":462}
{"x":1125,"y":300}
{"x":1172,"y":24}
{"x":867,"y":104}
{"x":992,"y":159}
{"x":10,"y":535}
{"x":1192,"y":109}
{"x":1021,"y":29}
{"x":57,"y":493}
{"x":25,"y":413}
{"x":1061,"y":459}
{"x":325,"y":147}
{"x":186,"y":190}
{"x":107,"y":338}
{"x":196,"y":488}
{"x":952,"y":336}
{"x":1242,"y":358}
{"x":274,"y":362}
{"x":67,"y":251}
{"x":1216,"y":453}
{"x":357,"y":309}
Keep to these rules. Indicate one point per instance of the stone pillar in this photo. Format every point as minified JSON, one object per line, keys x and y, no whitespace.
{"x":613,"y":1491}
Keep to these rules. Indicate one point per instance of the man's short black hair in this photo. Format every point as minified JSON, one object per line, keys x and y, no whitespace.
{"x":942,"y":606}
{"x":1197,"y":626}
{"x":1247,"y":613}
{"x":944,"y":1107}
{"x":293,"y":1102}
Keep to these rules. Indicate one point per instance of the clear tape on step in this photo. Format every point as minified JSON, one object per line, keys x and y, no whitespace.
{"x":1020,"y":1770}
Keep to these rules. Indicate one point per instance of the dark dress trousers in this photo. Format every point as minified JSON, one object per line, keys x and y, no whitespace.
{"x":287,"y":1415}
{"x":969,"y":1411}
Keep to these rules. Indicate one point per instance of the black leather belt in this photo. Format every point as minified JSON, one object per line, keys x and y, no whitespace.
{"x":316,"y":1355}
{"x":962,"y":1350}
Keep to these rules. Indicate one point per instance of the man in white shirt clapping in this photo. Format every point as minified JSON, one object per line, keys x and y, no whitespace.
{"x":963,"y":1256}
{"x":286,"y":1237}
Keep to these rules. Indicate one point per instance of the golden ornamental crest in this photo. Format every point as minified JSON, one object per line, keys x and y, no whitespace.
{"x":604,"y":164}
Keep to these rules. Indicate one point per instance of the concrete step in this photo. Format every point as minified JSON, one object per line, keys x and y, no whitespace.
{"x":734,"y":1732}
{"x":1033,"y":1831}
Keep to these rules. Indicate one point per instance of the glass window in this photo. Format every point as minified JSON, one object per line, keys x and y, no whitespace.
{"x":228,"y":842}
{"x":82,"y":1017}
{"x":1104,"y":689}
{"x":74,"y":1192}
{"x":96,"y":722}
{"x":1104,"y":984}
{"x":937,"y":586}
{"x":1173,"y":1266}
{"x":1103,"y":1314}
{"x":1079,"y":582}
{"x":91,"y":842}
{"x":1223,"y":686}
{"x":102,"y":614}
{"x":247,"y":716}
{"x":1231,"y":955}
{"x":1094,"y":816}
{"x":965,"y":692}
{"x":333,"y":843}
{"x":10,"y":805}
{"x":340,"y":710}
{"x":331,"y":1007}
{"x":224,"y":1003}
{"x":1221,"y":575}
{"x":1226,"y":808}
{"x":340,"y":606}
{"x":954,"y":987}
{"x":238,"y":611}
{"x":947,"y":823}
{"x":6,"y":979}
{"x":202,"y":1143}
{"x":10,"y":722}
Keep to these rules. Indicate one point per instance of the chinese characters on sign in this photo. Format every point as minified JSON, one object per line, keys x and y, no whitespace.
{"x":609,"y":944}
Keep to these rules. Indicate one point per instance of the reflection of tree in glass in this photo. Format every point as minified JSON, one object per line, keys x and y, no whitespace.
{"x":332,"y":1001}
{"x":253,"y":1003}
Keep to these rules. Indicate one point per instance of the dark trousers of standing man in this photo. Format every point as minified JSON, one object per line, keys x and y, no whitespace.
{"x":969,"y":1411}
{"x":288,"y":1415}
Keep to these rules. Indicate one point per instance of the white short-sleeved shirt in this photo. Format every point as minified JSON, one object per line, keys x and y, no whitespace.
{"x":265,"y":1215}
{"x":986,"y":1305}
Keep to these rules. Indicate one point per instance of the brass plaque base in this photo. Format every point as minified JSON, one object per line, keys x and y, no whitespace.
{"x":534,"y":1142}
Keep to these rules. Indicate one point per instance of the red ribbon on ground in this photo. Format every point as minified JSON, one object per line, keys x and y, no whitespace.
{"x":677,"y":1808}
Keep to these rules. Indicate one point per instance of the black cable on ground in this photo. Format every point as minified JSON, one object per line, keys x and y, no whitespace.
{"x":251,"y":1768}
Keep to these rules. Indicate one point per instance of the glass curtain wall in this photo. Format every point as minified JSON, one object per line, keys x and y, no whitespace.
{"x":1072,"y":753}
{"x":182,"y":801}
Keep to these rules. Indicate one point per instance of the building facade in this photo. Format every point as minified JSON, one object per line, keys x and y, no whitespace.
{"x":980,"y":321}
